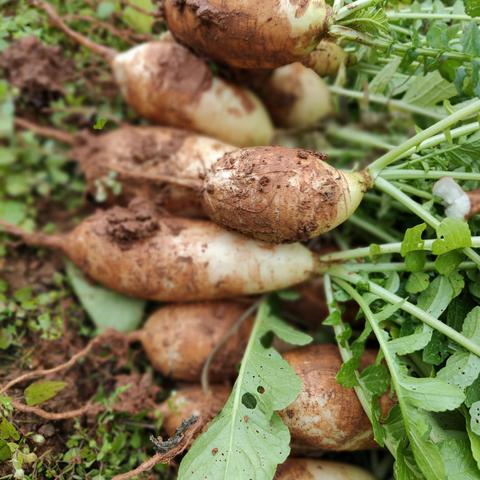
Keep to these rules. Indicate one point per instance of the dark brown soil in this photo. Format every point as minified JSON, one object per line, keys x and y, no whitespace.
{"x":39,"y":71}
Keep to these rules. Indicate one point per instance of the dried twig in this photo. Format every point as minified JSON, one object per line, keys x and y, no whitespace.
{"x":167,"y":456}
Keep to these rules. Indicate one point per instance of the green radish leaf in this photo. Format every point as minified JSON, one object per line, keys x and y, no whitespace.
{"x":457,"y":282}
{"x":425,"y":393}
{"x":472,"y":393}
{"x":436,"y":352}
{"x":8,"y":431}
{"x":448,"y":262}
{"x":417,"y":282}
{"x":287,"y":333}
{"x":412,"y":239}
{"x":471,"y":39}
{"x":472,"y":7}
{"x":41,"y":391}
{"x":106,"y":308}
{"x":452,"y":234}
{"x":458,"y":459}
{"x":376,"y":379}
{"x":461,"y":369}
{"x":471,"y":325}
{"x":411,"y":343}
{"x":475,"y":418}
{"x":436,"y":298}
{"x":379,"y":83}
{"x":248,"y":437}
{"x":429,"y":90}
{"x":139,"y":21}
{"x":474,"y":440}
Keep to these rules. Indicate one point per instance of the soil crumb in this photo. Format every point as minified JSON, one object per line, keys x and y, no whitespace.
{"x":38,"y":70}
{"x":126,"y":227}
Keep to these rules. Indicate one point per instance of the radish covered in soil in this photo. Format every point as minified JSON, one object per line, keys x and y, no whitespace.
{"x":296,"y":96}
{"x":167,"y":84}
{"x":327,"y":416}
{"x":136,"y":252}
{"x":280,"y":194}
{"x":309,"y":469}
{"x":249,"y":34}
{"x":178,"y":339}
{"x":140,"y":157}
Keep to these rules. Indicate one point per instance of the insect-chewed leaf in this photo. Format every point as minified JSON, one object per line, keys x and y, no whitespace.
{"x":452,"y":233}
{"x":412,"y":241}
{"x":462,"y":369}
{"x":436,"y":298}
{"x":248,"y":439}
{"x":471,"y":325}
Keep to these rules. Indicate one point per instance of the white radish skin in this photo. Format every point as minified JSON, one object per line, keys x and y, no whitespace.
{"x":178,"y":339}
{"x":296,"y":97}
{"x":137,"y":253}
{"x":280,"y":194}
{"x":327,"y":416}
{"x":140,"y":156}
{"x":309,"y":469}
{"x":249,"y":34}
{"x":167,"y":84}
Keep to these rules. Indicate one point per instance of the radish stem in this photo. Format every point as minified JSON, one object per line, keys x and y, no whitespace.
{"x":430,"y":16}
{"x":380,"y":99}
{"x":398,"y":267}
{"x":416,"y":140}
{"x":394,"y":174}
{"x":347,"y":10}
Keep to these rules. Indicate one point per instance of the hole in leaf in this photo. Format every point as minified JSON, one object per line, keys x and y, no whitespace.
{"x":267,"y":339}
{"x":249,"y":400}
{"x":260,"y":389}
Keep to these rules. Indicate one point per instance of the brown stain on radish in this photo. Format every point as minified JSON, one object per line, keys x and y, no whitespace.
{"x":326,"y":415}
{"x":275,"y":194}
{"x":138,"y":253}
{"x":245,"y":34}
{"x":138,"y":155}
{"x":179,"y":338}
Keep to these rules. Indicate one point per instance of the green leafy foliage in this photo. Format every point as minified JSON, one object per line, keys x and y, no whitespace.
{"x":106,"y":308}
{"x":42,"y":391}
{"x":248,"y":439}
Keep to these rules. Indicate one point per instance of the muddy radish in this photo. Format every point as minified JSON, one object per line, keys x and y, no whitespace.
{"x":327,"y":416}
{"x":249,"y":34}
{"x":310,"y":469}
{"x":327,"y":58}
{"x":139,"y":157}
{"x":296,"y":96}
{"x":178,"y":339}
{"x":138,"y":253}
{"x":167,"y":84}
{"x":280,"y":194}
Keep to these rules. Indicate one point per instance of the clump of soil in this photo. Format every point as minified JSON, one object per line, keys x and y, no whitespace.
{"x":38,"y":70}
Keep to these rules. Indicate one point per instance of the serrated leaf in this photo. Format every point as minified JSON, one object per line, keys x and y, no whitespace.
{"x":42,"y":390}
{"x":106,"y":308}
{"x":248,"y":439}
{"x":452,"y":234}
{"x":461,"y":369}
{"x":429,"y":90}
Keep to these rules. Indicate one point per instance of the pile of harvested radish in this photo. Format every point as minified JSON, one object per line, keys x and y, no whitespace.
{"x":239,"y":240}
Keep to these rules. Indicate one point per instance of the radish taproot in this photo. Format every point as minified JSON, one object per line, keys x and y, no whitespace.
{"x":296,"y":96}
{"x":178,"y":339}
{"x":167,"y":84}
{"x":325,"y":415}
{"x":136,"y":252}
{"x":138,"y":157}
{"x":310,"y":469}
{"x":281,"y":194}
{"x":249,"y":34}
